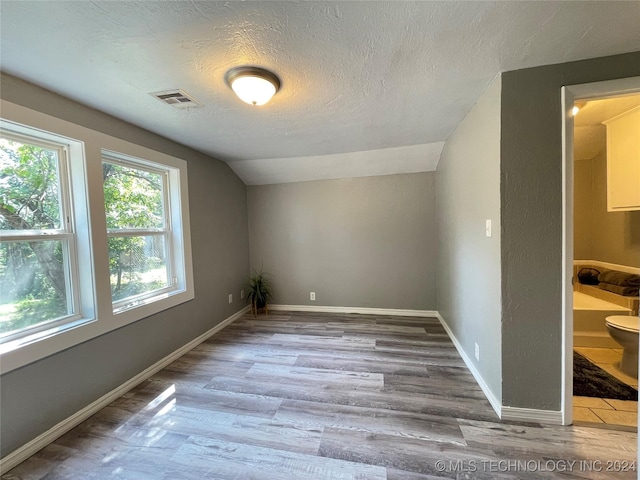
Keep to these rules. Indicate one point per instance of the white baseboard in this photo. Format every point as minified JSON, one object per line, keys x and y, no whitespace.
{"x":21,"y":454}
{"x":517,"y":414}
{"x":493,"y":400}
{"x":360,"y":310}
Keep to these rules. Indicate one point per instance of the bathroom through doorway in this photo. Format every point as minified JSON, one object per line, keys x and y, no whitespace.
{"x":601,"y":253}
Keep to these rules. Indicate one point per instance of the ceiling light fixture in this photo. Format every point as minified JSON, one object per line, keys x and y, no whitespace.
{"x":253,"y":85}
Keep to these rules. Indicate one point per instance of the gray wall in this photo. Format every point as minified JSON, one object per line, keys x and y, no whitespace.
{"x":468,"y":193}
{"x":357,"y":242}
{"x":531,"y":205}
{"x":39,"y":395}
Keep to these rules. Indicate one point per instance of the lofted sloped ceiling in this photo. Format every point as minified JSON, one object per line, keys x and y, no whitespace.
{"x":367,"y":87}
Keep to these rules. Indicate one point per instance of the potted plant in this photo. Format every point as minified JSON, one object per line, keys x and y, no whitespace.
{"x":259,"y":292}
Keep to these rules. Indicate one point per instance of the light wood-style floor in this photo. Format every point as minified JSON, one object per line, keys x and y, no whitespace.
{"x":299,"y":396}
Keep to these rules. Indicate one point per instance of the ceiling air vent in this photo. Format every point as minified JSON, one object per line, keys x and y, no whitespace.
{"x":176,"y":98}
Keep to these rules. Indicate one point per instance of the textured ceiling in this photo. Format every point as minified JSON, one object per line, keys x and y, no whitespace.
{"x":356,"y":76}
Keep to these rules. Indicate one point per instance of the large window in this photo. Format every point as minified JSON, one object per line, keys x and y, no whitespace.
{"x":94,"y":235}
{"x":37,"y":245}
{"x":138,"y":212}
{"x":37,"y":241}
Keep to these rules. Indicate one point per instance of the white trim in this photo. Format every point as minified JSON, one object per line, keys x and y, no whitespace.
{"x":553,"y":417}
{"x":517,"y":414}
{"x":361,"y":310}
{"x":493,"y":400}
{"x":569,"y":94}
{"x":609,"y":266}
{"x":66,"y":234}
{"x":566,"y":374}
{"x":90,"y":228}
{"x":21,"y":454}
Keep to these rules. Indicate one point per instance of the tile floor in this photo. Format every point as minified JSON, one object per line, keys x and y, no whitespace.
{"x":605,"y":411}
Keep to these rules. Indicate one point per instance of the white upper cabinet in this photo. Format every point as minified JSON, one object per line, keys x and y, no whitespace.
{"x":623,"y":161}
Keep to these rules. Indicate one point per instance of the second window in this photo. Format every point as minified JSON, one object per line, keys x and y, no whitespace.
{"x":138,"y":217}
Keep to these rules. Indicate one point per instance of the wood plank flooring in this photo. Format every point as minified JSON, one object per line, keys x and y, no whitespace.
{"x":321,"y":397}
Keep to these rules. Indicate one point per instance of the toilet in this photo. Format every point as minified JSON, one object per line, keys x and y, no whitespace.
{"x":624,"y":330}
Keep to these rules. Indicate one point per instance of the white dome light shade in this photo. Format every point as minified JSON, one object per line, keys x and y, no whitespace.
{"x":253,"y":90}
{"x":253,"y":85}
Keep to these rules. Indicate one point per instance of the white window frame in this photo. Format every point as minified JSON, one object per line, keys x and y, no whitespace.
{"x":79,"y":286}
{"x":176,"y":198}
{"x":167,"y":186}
{"x":96,"y":313}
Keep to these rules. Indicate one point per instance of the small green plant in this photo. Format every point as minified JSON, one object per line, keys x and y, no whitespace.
{"x":259,"y":291}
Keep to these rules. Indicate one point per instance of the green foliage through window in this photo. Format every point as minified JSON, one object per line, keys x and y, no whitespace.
{"x":134,"y":202}
{"x":137,"y":265}
{"x":32,"y":273}
{"x":132,"y":197}
{"x":29,"y":194}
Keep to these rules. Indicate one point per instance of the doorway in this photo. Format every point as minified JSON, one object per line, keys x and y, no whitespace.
{"x":580,"y":96}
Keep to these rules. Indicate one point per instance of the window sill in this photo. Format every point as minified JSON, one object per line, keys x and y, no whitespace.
{"x":86,"y":151}
{"x":21,"y":352}
{"x":42,"y":335}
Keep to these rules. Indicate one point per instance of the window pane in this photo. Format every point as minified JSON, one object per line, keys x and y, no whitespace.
{"x":29,"y":193}
{"x":133,"y":197}
{"x":137,"y":265}
{"x":32,"y":284}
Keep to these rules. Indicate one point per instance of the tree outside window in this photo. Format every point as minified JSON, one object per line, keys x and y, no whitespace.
{"x":35,"y":235}
{"x":138,"y":228}
{"x":54,"y":279}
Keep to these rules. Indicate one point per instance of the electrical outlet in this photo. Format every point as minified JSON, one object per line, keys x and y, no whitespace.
{"x":477,"y":352}
{"x":231,"y":298}
{"x":312,"y":296}
{"x":241,"y":294}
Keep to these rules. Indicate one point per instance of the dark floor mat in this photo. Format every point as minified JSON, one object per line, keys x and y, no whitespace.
{"x":589,"y":380}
